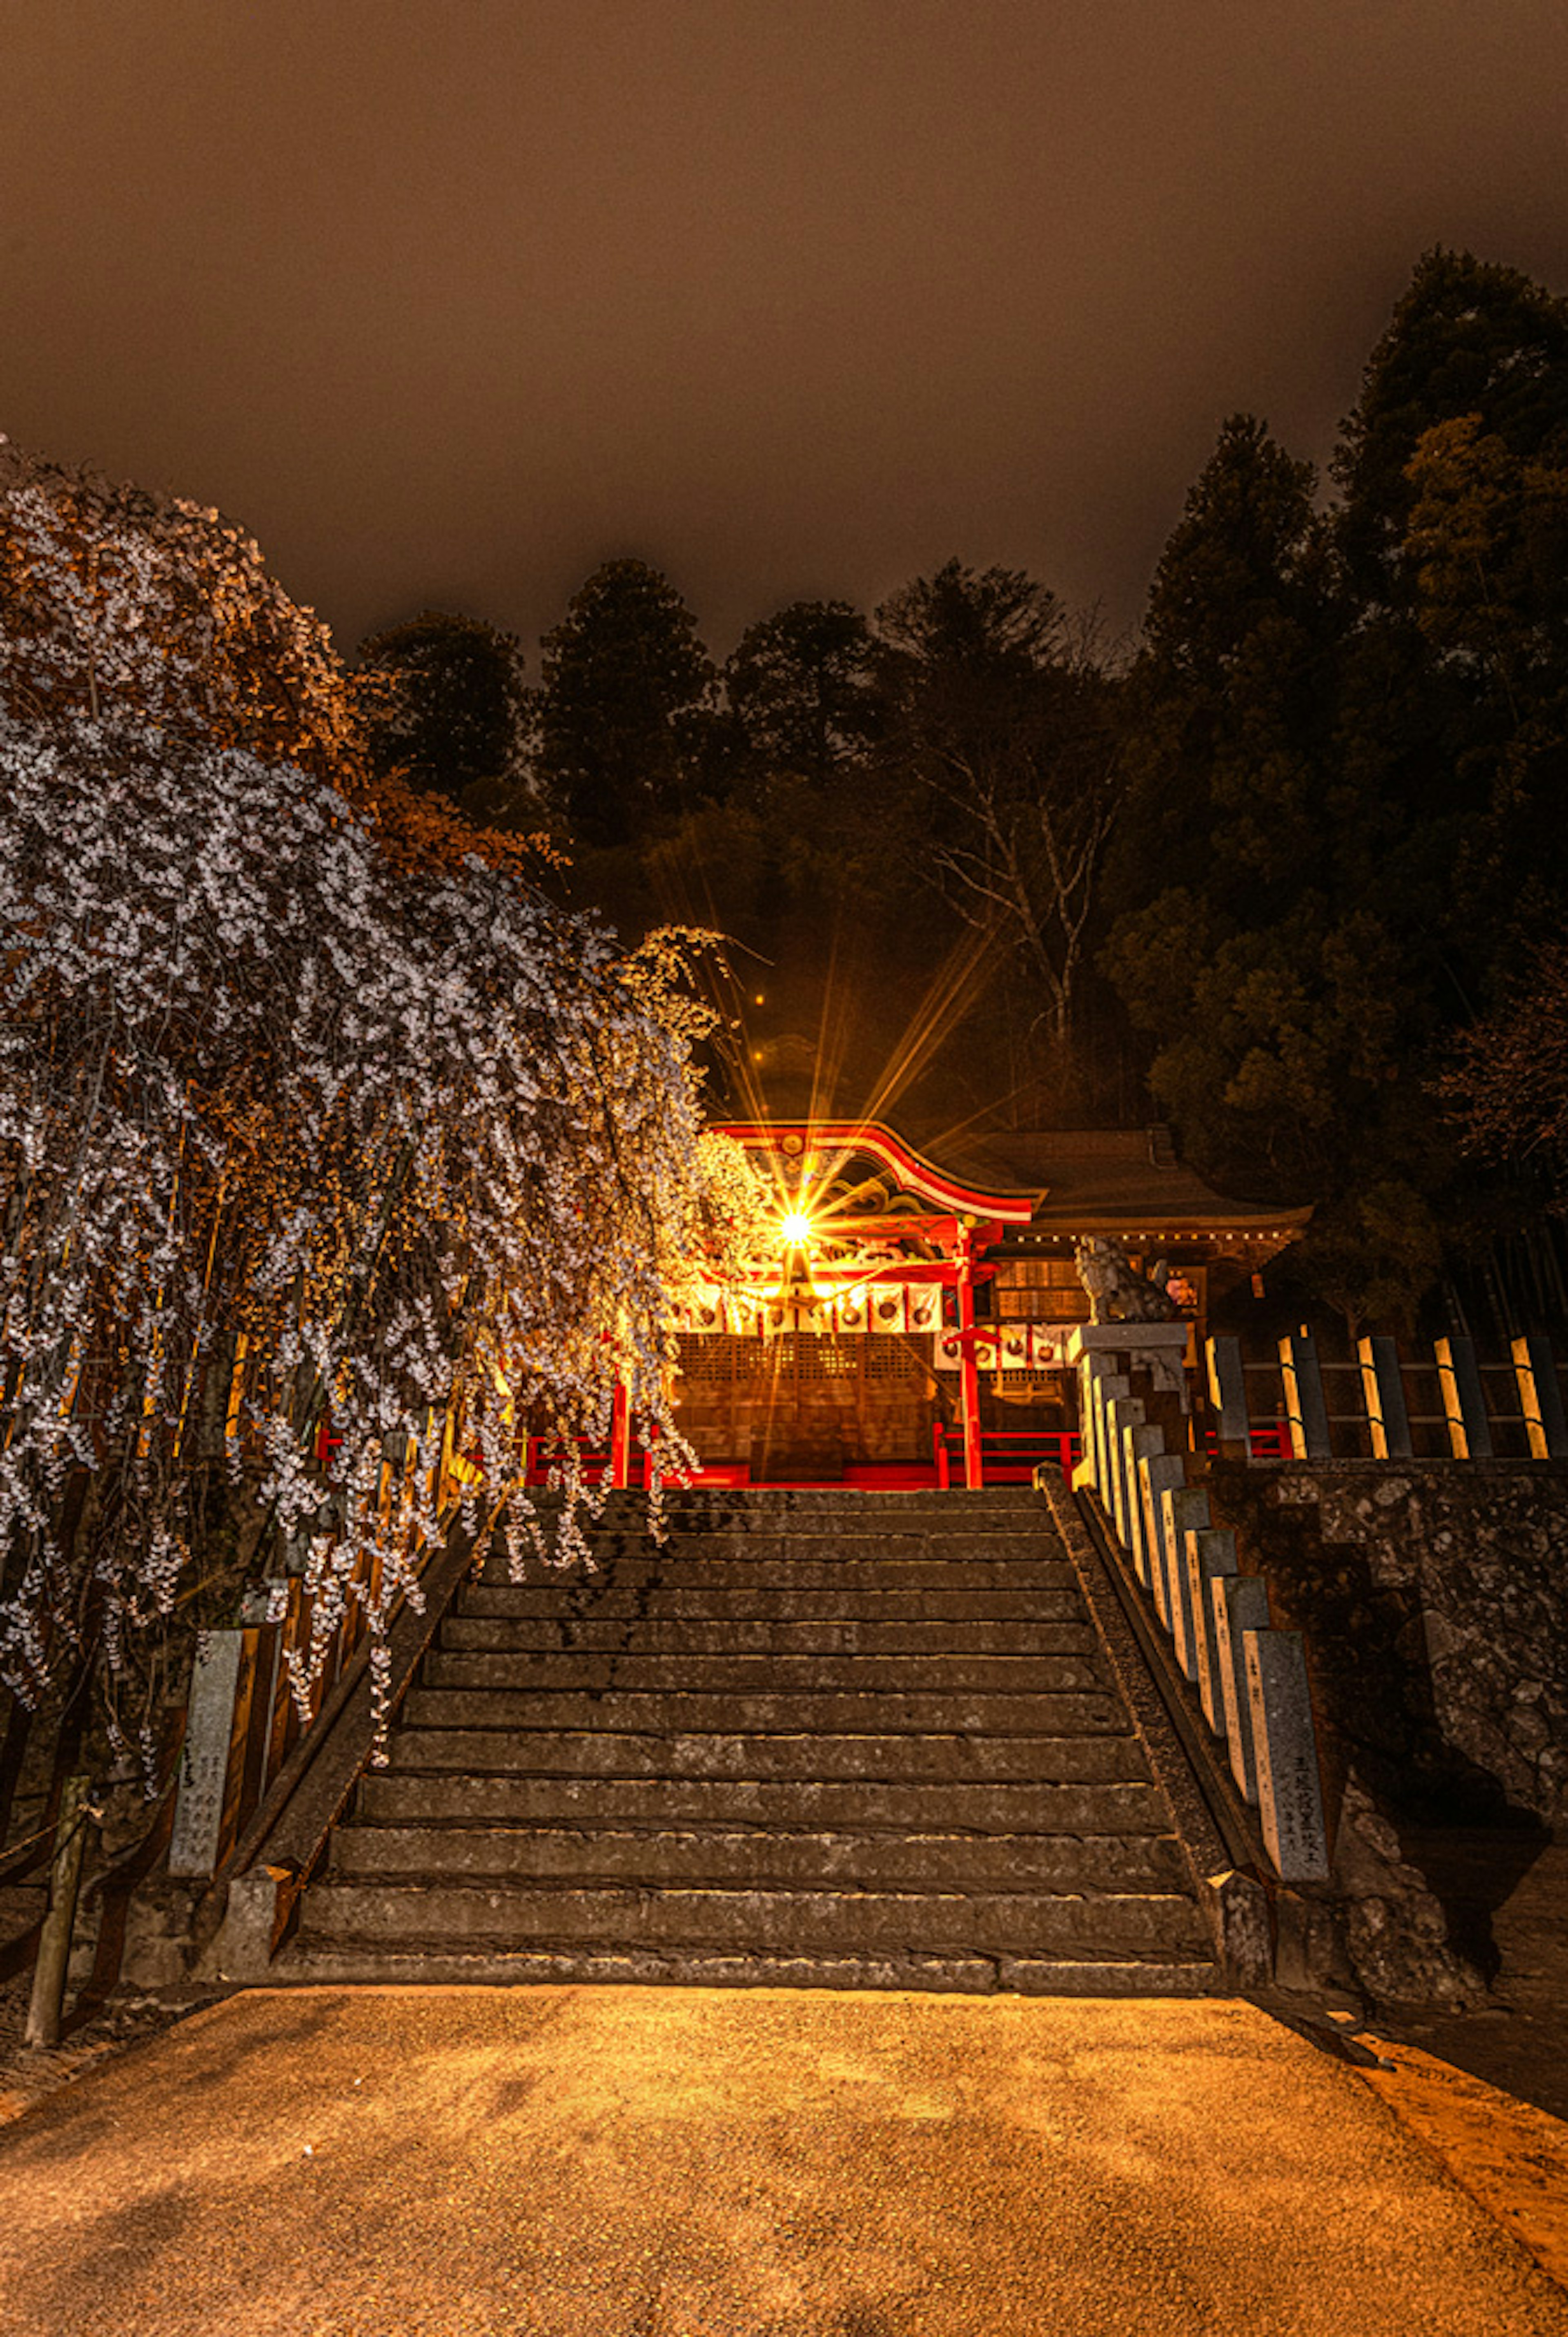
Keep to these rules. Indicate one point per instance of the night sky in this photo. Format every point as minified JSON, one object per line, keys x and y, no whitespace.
{"x":449,"y":304}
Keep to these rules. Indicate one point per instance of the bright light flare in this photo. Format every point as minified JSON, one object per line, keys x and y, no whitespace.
{"x":796,"y":1228}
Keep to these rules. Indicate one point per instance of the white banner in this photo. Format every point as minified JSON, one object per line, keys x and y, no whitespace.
{"x":1008,"y":1347}
{"x":924,"y":1307}
{"x":887,"y":1310}
{"x":1048,"y":1346}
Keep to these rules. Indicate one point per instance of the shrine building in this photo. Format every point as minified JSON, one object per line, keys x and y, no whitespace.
{"x":911,"y":1326}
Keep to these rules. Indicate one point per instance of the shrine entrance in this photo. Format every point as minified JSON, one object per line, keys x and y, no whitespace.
{"x":854,"y":1349}
{"x":809,"y":1405}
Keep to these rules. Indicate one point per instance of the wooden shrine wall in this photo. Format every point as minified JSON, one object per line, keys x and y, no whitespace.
{"x":876,"y":1397}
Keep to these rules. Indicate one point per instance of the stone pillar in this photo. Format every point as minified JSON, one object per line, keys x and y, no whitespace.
{"x":1122,"y":1413}
{"x":1139,"y":1445}
{"x":1238,"y":1603}
{"x":1092,"y":1369}
{"x":1209,"y":1553}
{"x":1285,"y":1748}
{"x":1305,"y":1412}
{"x":1160,"y":1476}
{"x":1539,"y":1400}
{"x":1113,"y":1388}
{"x":1382,"y":1387}
{"x":1186,"y":1512}
{"x":1469,"y":1429}
{"x":212,"y":1757}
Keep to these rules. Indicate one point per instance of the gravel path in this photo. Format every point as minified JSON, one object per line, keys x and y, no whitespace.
{"x":685,"y":2162}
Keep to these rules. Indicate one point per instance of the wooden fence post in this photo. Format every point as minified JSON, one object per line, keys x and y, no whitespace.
{"x":1464,"y":1406}
{"x":1382,"y":1387}
{"x":1305,"y":1412}
{"x":54,"y":1944}
{"x":1535,"y":1368}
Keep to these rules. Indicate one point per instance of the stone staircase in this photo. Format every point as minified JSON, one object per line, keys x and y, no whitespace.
{"x":840,"y":1739}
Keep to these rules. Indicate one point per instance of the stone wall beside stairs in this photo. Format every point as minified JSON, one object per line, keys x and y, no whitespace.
{"x":1433,"y":1600}
{"x":1433,"y":1596}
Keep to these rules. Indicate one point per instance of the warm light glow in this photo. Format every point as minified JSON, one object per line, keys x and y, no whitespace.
{"x":796,"y":1229}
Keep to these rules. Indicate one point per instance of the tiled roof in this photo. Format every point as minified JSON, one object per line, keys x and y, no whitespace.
{"x":1108,"y":1180}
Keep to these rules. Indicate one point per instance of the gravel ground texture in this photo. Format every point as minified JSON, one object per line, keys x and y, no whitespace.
{"x":691,"y":2163}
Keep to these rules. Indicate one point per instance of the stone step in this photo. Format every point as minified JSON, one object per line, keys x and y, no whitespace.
{"x":678,"y":1713}
{"x":584,"y":1671}
{"x":309,"y":1961}
{"x":837,"y":1601}
{"x":768,"y":1551}
{"x":765,"y":1922}
{"x":1037,"y":1571}
{"x":654,"y":1752}
{"x":411,"y":1797}
{"x":555,"y":1633}
{"x":755,"y":1858}
{"x":770,"y":1509}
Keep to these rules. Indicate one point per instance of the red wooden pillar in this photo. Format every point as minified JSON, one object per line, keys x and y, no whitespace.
{"x":968,"y":1371}
{"x":621,"y":1439}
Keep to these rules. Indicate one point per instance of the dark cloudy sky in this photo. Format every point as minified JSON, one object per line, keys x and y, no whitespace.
{"x":448,"y":303}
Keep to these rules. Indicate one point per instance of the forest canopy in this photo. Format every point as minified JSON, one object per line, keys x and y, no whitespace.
{"x":1280,"y":872}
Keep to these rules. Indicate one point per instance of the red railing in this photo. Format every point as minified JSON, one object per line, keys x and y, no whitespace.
{"x":1008,"y":1456}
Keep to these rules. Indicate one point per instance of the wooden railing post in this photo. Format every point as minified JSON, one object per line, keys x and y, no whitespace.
{"x":1382,"y":1387}
{"x":620,"y":1438}
{"x":49,"y":1972}
{"x":1535,"y":1369}
{"x":1305,"y":1409}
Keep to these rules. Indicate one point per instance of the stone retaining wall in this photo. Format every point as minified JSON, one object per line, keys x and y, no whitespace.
{"x":1433,"y":1596}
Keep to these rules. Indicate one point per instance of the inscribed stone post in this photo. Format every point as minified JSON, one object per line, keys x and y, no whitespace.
{"x":1113,"y":1389}
{"x":1122,"y":1413}
{"x":215,"y":1721}
{"x":1208,"y":1550}
{"x":1158,"y":1474}
{"x":1092,"y":1368}
{"x":1240,"y":1603}
{"x":1186,"y":1509}
{"x":1285,"y":1748}
{"x":1138,"y":1446}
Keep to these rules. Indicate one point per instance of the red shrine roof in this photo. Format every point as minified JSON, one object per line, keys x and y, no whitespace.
{"x":1124,"y":1181}
{"x":815,"y":1152}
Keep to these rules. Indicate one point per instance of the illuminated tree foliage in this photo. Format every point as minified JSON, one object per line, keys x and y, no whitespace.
{"x":1507,"y":1082}
{"x":303,"y":1111}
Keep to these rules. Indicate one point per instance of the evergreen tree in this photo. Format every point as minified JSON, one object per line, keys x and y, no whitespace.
{"x":452,"y":715}
{"x":1467,"y":337}
{"x":625,"y":705}
{"x":802,"y":688}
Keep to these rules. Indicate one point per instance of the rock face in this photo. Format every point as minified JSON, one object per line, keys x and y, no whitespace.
{"x":1435,"y":1598}
{"x":844,"y":1739}
{"x":1434,"y":1602}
